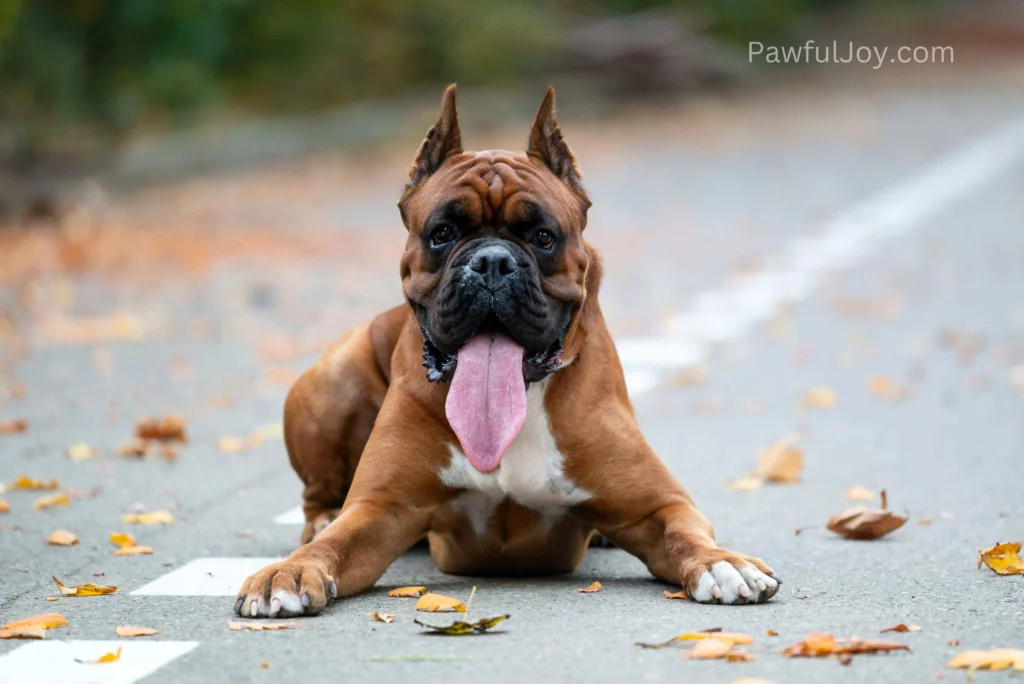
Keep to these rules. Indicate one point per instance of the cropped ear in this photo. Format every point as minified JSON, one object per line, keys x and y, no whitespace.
{"x":549,"y":147}
{"x":442,"y":141}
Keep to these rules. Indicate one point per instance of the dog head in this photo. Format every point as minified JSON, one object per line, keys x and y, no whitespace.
{"x":495,"y":243}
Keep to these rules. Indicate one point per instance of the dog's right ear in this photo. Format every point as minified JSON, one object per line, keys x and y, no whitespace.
{"x":442,"y":141}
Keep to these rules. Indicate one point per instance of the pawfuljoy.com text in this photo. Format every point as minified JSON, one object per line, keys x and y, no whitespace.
{"x":836,"y":52}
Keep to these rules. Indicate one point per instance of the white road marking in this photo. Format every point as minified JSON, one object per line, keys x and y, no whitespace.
{"x":54,"y":662}
{"x":206,"y":577}
{"x":729,"y":312}
{"x":293,"y":516}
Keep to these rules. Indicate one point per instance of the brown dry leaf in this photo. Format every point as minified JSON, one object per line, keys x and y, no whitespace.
{"x":23,"y":632}
{"x":260,"y":626}
{"x":105,"y":658}
{"x":80,"y":452}
{"x":859,"y":494}
{"x":744,"y":484}
{"x":50,"y":501}
{"x":32,"y":627}
{"x":438,"y":603}
{"x":265,"y":665}
{"x":386,"y":618}
{"x":709,"y":649}
{"x":136,"y":631}
{"x":170,"y":428}
{"x":460,"y":628}
{"x":231,"y":445}
{"x":26,"y":482}
{"x":925,"y":521}
{"x":820,"y":397}
{"x":592,"y":589}
{"x":9,"y":427}
{"x":122,"y":539}
{"x":160,"y":517}
{"x":678,"y":595}
{"x":135,"y":551}
{"x":901,"y":627}
{"x":407,"y":592}
{"x":62,"y":538}
{"x":818,"y":645}
{"x":136,"y":448}
{"x":4,"y":506}
{"x":863,"y":523}
{"x":85,"y":589}
{"x":996,"y":659}
{"x":883,"y":386}
{"x":772,"y":632}
{"x":781,"y":462}
{"x":1003,"y":559}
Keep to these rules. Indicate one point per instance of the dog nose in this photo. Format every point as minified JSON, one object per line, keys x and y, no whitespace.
{"x":494,"y":264}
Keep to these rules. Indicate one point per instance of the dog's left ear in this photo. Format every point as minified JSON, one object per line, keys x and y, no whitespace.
{"x":549,"y":147}
{"x":443,"y":140}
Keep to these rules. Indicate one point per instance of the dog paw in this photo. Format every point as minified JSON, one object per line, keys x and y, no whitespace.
{"x":731,"y":579}
{"x":287,"y":589}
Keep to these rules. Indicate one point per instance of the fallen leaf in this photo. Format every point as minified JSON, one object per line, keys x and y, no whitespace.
{"x":995,"y":659}
{"x":818,"y":645}
{"x":901,"y":627}
{"x":386,"y":618}
{"x":925,"y":521}
{"x":772,"y":632}
{"x":437,"y":603}
{"x":1003,"y":559}
{"x":105,"y":658}
{"x":80,"y":452}
{"x":863,"y":523}
{"x":26,"y":482}
{"x":4,"y":506}
{"x":407,"y":592}
{"x":820,"y":397}
{"x":781,"y":462}
{"x":883,"y":386}
{"x":122,"y":539}
{"x":23,"y":632}
{"x":136,"y":448}
{"x":231,"y":445}
{"x":265,"y":665}
{"x":160,"y":517}
{"x":859,"y":494}
{"x":709,"y":649}
{"x":50,"y":501}
{"x":730,"y":638}
{"x":32,"y":627}
{"x":53,"y":598}
{"x":62,"y":538}
{"x":85,"y":589}
{"x":260,"y":626}
{"x":9,"y":427}
{"x":459,"y":628}
{"x":136,"y":631}
{"x":170,"y":428}
{"x":744,"y":484}
{"x":134,"y":551}
{"x":592,"y":589}
{"x":678,"y":595}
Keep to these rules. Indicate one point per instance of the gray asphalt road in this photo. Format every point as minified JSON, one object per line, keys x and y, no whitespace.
{"x":939,"y":310}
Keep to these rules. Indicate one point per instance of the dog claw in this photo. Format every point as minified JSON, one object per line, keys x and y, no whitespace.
{"x":305,"y":599}
{"x":776,"y":578}
{"x":332,"y":589}
{"x":238,"y":606}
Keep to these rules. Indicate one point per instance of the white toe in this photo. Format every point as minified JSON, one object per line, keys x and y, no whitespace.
{"x":285,"y":603}
{"x":764,"y":587}
{"x":706,"y":589}
{"x":730,"y":580}
{"x":256,"y":607}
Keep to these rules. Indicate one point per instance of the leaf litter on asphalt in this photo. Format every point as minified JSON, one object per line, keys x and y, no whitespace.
{"x":135,"y":631}
{"x":685,"y":639}
{"x":88,"y":589}
{"x":862,"y":523}
{"x":592,"y":588}
{"x":1003,"y":559}
{"x":169,"y":428}
{"x":386,"y":618}
{"x":105,"y":658}
{"x":32,"y":627}
{"x":407,"y":592}
{"x":438,"y":603}
{"x":780,"y":463}
{"x":42,"y":503}
{"x":62,"y":538}
{"x":160,"y":517}
{"x":674,"y":595}
{"x":462,"y":627}
{"x":26,"y":482}
{"x":994,"y":659}
{"x":235,"y":626}
{"x":901,"y":627}
{"x":820,"y":645}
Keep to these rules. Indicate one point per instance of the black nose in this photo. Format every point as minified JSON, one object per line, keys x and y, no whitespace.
{"x":494,"y":264}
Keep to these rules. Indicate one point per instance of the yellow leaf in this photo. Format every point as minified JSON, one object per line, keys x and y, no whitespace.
{"x":996,"y":659}
{"x":727,"y":637}
{"x":85,"y":589}
{"x":709,"y":649}
{"x":4,"y":506}
{"x":160,"y":517}
{"x":407,"y":592}
{"x":260,"y":626}
{"x":820,"y":397}
{"x":122,"y":539}
{"x":136,"y":631}
{"x":23,"y":632}
{"x":437,"y":603}
{"x":781,"y":462}
{"x":592,"y":589}
{"x":678,"y":595}
{"x":62,"y":538}
{"x":1003,"y":559}
{"x":381,"y":617}
{"x":134,"y":551}
{"x":46,"y":621}
{"x":859,"y":494}
{"x":45,"y":502}
{"x":459,"y":628}
{"x":26,"y":482}
{"x":744,"y":484}
{"x":106,"y":658}
{"x":52,"y":598}
{"x":80,"y":452}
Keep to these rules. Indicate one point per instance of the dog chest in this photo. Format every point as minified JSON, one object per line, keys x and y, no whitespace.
{"x":530,"y":472}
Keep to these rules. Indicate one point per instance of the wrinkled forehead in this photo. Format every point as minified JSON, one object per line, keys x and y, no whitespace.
{"x":495,"y":186}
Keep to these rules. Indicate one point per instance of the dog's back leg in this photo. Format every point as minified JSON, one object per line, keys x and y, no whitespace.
{"x":330,"y":412}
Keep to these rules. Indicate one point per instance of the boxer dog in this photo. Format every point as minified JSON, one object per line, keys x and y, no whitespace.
{"x":489,"y":413}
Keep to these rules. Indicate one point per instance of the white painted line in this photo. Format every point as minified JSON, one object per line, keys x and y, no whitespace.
{"x":206,"y":577}
{"x":54,"y":662}
{"x":730,"y":312}
{"x":293,"y":516}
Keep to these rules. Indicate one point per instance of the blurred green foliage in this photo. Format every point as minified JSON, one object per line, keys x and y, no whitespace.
{"x":107,"y":66}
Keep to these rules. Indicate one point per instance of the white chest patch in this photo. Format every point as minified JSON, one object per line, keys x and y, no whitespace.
{"x":530,"y":472}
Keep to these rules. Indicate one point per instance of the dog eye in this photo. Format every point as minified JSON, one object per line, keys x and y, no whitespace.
{"x":544,"y":239}
{"x":442,"y":235}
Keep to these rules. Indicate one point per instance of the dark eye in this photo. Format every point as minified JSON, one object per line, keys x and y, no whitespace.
{"x":442,"y":235}
{"x":544,"y":239}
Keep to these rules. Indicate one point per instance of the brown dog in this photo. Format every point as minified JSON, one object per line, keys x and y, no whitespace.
{"x":518,"y":442}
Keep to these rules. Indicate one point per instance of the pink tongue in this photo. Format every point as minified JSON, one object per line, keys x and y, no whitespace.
{"x":486,"y":403}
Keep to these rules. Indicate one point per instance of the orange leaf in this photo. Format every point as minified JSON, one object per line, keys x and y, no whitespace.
{"x":26,"y":482}
{"x":23,"y":632}
{"x":678,"y":595}
{"x":781,"y":463}
{"x":46,"y":621}
{"x":882,"y":386}
{"x":1003,"y":559}
{"x":727,"y":637}
{"x":170,"y":428}
{"x":592,"y":589}
{"x":407,"y":592}
{"x":105,"y":658}
{"x":437,"y":603}
{"x":122,"y":539}
{"x":85,"y":589}
{"x":4,"y":506}
{"x":381,"y":617}
{"x":50,"y":501}
{"x":818,"y":645}
{"x":134,"y":551}
{"x":901,"y":627}
{"x":160,"y":517}
{"x":62,"y":538}
{"x":709,"y":649}
{"x":8,"y":427}
{"x":260,"y":626}
{"x":136,"y":631}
